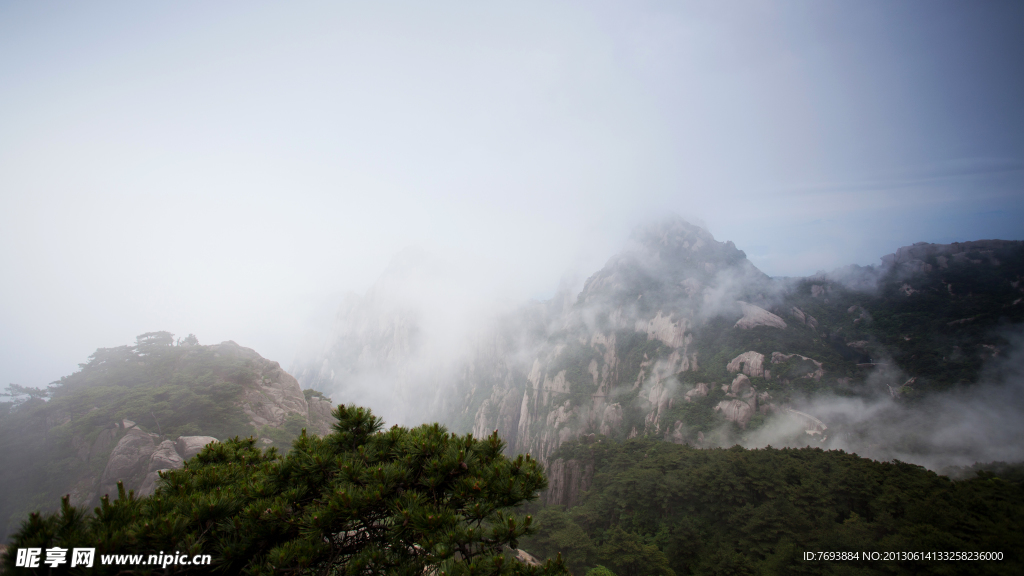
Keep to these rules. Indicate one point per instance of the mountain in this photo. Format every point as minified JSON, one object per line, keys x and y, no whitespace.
{"x":133,"y":411}
{"x":680,"y":337}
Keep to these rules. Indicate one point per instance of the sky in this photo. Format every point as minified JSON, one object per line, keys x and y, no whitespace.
{"x":230,"y":169}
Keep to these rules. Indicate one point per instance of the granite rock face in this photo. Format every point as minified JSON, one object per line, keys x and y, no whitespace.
{"x":165,"y":457}
{"x":567,"y":480}
{"x":189,"y":446}
{"x":750,"y":363}
{"x":128,"y":461}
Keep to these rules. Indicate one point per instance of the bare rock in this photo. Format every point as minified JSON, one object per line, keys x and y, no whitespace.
{"x":527,"y":559}
{"x":567,"y":479}
{"x":104,"y":441}
{"x":757,"y":316}
{"x":741,"y":386}
{"x":148,"y":486}
{"x":165,"y":457}
{"x":611,"y":419}
{"x":189,"y":446}
{"x":129,"y":461}
{"x":803,"y":317}
{"x":273,"y":394}
{"x":750,"y":363}
{"x":699,"y":391}
{"x":664,"y":328}
{"x":736,"y":411}
{"x":816,"y":373}
{"x":320,"y":417}
{"x":676,"y":434}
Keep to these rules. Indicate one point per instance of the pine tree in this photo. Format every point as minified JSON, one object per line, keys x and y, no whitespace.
{"x":358,"y":501}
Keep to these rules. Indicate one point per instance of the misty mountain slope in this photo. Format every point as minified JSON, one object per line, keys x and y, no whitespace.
{"x":938,"y":311}
{"x":680,"y":337}
{"x":134,"y":410}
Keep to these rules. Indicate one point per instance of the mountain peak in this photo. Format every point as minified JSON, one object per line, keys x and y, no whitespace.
{"x":667,"y":259}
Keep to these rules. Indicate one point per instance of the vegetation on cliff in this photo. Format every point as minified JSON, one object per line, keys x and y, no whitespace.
{"x":358,"y":501}
{"x":56,"y":441}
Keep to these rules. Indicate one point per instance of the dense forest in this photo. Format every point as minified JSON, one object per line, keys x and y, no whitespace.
{"x":661,"y":508}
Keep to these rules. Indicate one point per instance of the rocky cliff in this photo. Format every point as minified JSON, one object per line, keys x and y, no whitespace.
{"x":680,"y":337}
{"x":133,"y":411}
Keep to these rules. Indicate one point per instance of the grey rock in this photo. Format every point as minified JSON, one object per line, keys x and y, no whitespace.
{"x":189,"y":446}
{"x":128,"y":462}
{"x":104,"y":441}
{"x":757,"y":316}
{"x":165,"y":457}
{"x":148,"y":486}
{"x":567,"y":479}
{"x":750,"y":363}
{"x":320,"y":418}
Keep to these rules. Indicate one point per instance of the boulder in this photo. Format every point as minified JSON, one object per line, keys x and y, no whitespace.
{"x":736,"y":411}
{"x":750,"y":363}
{"x":149,"y":483}
{"x":814,"y":368}
{"x":103,"y":441}
{"x":320,"y":418}
{"x":741,"y":386}
{"x":165,"y":457}
{"x":128,"y":462}
{"x":757,"y":316}
{"x":699,"y":391}
{"x":676,"y":433}
{"x":189,"y":446}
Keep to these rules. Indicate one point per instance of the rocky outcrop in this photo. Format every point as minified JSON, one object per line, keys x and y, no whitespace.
{"x":813,"y":368}
{"x":750,"y":363}
{"x":698,"y":391}
{"x":664,"y":328}
{"x":320,"y":418}
{"x":743,"y":403}
{"x":148,"y":487}
{"x":165,"y":457}
{"x":803,"y":318}
{"x":271,"y":395}
{"x":736,"y":411}
{"x":189,"y":446}
{"x":567,"y":480}
{"x":128,"y":462}
{"x":275,"y":395}
{"x":676,"y":434}
{"x":756,"y":316}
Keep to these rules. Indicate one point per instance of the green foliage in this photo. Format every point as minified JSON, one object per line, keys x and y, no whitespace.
{"x":561,"y":536}
{"x":739,"y":511}
{"x":47,"y":447}
{"x":937,"y":333}
{"x":358,"y":501}
{"x":287,"y":433}
{"x":309,"y":394}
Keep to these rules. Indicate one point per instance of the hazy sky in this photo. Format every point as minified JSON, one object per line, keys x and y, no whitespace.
{"x":228,"y":168}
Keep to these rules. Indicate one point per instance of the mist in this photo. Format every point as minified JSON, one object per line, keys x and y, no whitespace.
{"x":960,"y":427}
{"x":234,"y":171}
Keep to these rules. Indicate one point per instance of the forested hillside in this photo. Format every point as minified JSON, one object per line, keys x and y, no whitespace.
{"x":133,"y":410}
{"x":658,"y":508}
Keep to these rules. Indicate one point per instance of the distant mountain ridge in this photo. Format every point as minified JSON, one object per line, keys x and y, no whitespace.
{"x":682,"y":338}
